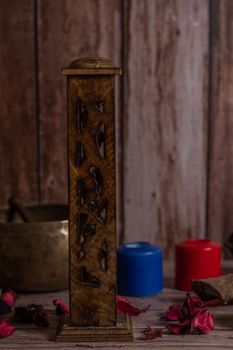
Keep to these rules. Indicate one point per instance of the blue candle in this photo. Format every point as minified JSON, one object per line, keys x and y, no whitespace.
{"x":139,"y":269}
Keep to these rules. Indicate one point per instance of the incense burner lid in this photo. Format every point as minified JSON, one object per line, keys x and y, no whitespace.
{"x":91,"y":62}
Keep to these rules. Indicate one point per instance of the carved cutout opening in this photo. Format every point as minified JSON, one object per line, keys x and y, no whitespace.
{"x":97,"y":178}
{"x":100,"y":106}
{"x":100,"y":140}
{"x":99,"y":209}
{"x":80,"y":255}
{"x":81,"y":116}
{"x":85,"y":229}
{"x":103,"y":257}
{"x":80,"y":154}
{"x":81,"y":193}
{"x":88,"y":279}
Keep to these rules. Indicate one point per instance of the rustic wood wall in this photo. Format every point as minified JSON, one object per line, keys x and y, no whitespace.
{"x":174,"y":108}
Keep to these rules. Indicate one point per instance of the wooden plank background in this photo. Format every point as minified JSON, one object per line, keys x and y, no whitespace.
{"x":67,"y":29}
{"x":165,"y":119}
{"x":174,"y":108}
{"x":220,"y":216}
{"x":18,"y":132}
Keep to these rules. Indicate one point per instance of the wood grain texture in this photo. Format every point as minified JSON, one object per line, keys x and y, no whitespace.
{"x":28,"y":336}
{"x":18,"y":147}
{"x":220,"y":218}
{"x":67,"y":29}
{"x":165,"y":117}
{"x":92,"y":200}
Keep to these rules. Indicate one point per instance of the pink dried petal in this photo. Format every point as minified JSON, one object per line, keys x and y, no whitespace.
{"x":127,"y":308}
{"x":9,"y":296}
{"x":172,"y":314}
{"x":191,"y":306}
{"x":203,"y":322}
{"x":179,"y":328}
{"x":122,"y":298}
{"x":61,"y":308}
{"x":7,"y":300}
{"x":151,"y":333}
{"x":6,"y":329}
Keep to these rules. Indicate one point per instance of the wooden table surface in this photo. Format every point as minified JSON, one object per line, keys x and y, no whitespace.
{"x":32,"y":337}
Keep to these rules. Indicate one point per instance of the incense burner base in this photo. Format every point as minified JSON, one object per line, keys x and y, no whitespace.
{"x":123,"y":331}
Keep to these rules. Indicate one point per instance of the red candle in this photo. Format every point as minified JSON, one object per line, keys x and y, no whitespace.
{"x":196,"y":259}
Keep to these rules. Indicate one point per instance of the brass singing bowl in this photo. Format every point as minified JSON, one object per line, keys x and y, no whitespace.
{"x":34,"y":255}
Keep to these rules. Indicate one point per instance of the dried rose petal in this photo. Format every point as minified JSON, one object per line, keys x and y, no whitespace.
{"x":32,"y":313}
{"x":126,"y":308}
{"x":179,"y":328}
{"x":151,"y":333}
{"x":6,"y":329}
{"x":9,"y":296}
{"x":203,"y":322}
{"x":191,"y":306}
{"x":122,"y":298}
{"x":61,"y":308}
{"x":7,"y":300}
{"x":172,"y":314}
{"x":40,"y":316}
{"x":192,"y":317}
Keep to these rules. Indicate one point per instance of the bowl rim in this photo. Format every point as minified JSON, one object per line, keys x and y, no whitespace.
{"x":51,"y":206}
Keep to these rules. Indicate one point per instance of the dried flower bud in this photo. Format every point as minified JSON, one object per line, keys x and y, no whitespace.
{"x":192,"y":317}
{"x":179,"y":328}
{"x":151,"y":333}
{"x":40,"y":316}
{"x":6,"y":329}
{"x":61,"y":308}
{"x":9,"y":296}
{"x":172,"y":314}
{"x":191,"y":306}
{"x":203,"y":322}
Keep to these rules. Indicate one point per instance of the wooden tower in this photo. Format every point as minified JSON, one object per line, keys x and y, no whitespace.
{"x":92,"y":203}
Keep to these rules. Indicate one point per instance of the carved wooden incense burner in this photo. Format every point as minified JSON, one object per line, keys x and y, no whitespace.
{"x":92,"y":204}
